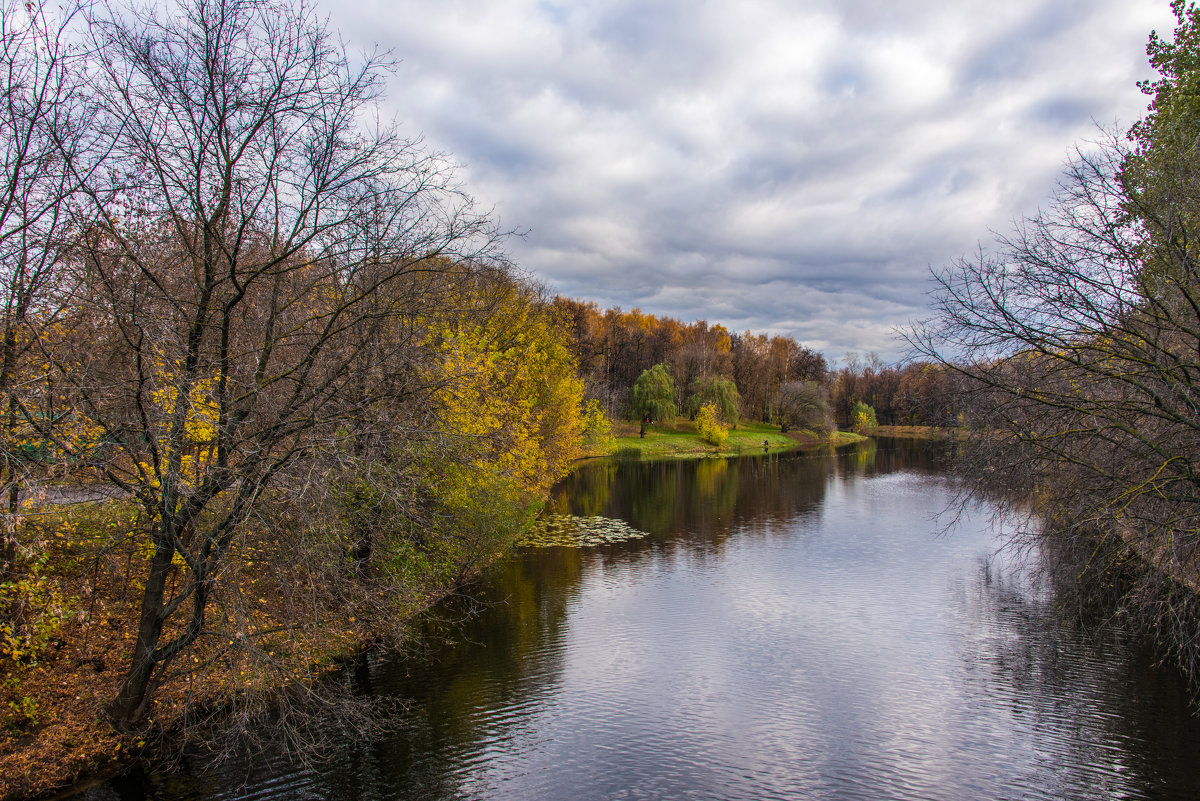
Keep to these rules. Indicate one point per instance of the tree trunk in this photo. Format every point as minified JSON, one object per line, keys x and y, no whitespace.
{"x":134,"y":694}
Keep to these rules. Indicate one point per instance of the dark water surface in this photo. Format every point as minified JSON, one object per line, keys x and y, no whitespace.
{"x":791,"y":627}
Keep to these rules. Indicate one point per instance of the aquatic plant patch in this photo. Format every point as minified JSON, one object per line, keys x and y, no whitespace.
{"x":571,"y":531}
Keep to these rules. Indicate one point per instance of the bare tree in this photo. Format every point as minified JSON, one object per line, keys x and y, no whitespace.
{"x":1078,"y":341}
{"x":45,"y":147}
{"x":249,"y":255}
{"x":804,"y":404}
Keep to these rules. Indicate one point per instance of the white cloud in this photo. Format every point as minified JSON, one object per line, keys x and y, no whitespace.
{"x":791,"y":167}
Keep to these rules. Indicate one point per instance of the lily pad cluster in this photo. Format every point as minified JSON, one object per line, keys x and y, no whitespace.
{"x":578,"y":532}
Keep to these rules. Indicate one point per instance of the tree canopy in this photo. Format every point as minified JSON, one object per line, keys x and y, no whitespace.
{"x":804,"y":404}
{"x":653,"y":395}
{"x":722,"y":393}
{"x":279,"y":330}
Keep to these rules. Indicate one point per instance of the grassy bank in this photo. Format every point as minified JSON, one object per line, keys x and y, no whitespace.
{"x":681,"y":440}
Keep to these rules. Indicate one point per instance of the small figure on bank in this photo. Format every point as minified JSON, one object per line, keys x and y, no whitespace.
{"x":645,"y":422}
{"x":766,"y":445}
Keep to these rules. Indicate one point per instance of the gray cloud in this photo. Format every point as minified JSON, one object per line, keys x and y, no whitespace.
{"x":772,"y":165}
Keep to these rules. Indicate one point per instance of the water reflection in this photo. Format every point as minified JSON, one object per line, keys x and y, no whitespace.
{"x":792,"y":627}
{"x":700,"y":501}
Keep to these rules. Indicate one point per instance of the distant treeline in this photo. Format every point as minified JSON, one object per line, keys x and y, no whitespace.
{"x":614,"y":347}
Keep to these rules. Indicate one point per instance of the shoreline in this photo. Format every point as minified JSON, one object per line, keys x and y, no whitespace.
{"x":72,"y":746}
{"x":681,"y":440}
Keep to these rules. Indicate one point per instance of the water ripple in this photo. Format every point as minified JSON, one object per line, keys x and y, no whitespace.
{"x":796,"y":630}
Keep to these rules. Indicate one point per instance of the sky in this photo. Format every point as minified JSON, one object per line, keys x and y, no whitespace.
{"x":790,"y":167}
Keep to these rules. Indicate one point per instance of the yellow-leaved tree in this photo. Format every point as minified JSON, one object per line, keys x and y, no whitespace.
{"x":511,"y":389}
{"x":709,"y":425}
{"x":504,"y":419}
{"x":511,"y":411}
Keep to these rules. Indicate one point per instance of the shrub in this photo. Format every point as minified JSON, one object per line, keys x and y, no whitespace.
{"x":862,"y":418}
{"x":32,"y":610}
{"x":597,"y":428}
{"x":708,"y":423}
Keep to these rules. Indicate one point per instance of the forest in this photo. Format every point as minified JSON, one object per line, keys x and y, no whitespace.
{"x":614,"y":348}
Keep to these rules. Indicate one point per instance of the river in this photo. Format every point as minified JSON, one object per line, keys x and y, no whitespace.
{"x":790,"y":626}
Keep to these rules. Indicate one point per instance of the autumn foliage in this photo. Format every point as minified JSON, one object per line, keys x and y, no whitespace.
{"x":278,"y":351}
{"x":268,"y":383}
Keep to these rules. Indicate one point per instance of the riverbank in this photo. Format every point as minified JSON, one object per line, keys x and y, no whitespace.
{"x":681,"y":440}
{"x":84,"y":594}
{"x":54,"y":731}
{"x":914,"y":432}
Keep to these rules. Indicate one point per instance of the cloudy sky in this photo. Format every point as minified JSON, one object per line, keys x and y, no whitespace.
{"x":787,"y":166}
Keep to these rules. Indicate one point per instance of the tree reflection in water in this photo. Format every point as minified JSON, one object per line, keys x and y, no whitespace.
{"x":792,"y":626}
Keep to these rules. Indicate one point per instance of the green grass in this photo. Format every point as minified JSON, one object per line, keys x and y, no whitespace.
{"x":681,"y":440}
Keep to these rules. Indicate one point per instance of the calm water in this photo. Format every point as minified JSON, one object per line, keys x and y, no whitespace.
{"x":791,"y":627}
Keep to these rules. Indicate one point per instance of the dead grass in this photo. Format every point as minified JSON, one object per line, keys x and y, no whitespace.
{"x":913,"y":432}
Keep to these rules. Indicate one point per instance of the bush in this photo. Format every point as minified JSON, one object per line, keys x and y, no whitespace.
{"x":708,"y":423}
{"x":597,"y":429}
{"x":32,"y":611}
{"x":862,"y":418}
